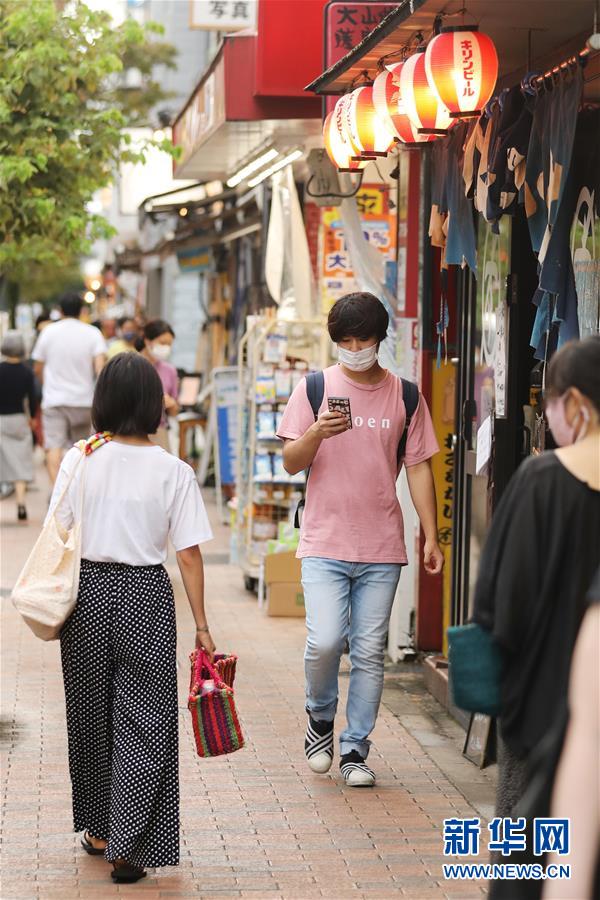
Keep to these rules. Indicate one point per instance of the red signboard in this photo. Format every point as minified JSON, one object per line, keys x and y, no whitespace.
{"x":346,"y":25}
{"x":289,"y":46}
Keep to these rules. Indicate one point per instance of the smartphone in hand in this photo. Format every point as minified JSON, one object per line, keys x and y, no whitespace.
{"x":340,"y":404}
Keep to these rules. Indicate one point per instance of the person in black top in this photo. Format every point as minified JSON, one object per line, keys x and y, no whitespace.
{"x":540,"y":556}
{"x":17,"y":385}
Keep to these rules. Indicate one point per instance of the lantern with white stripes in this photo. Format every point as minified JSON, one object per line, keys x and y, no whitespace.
{"x":390,"y":108}
{"x":462,"y":67}
{"x":368,"y":134}
{"x":338,"y":147}
{"x":421,"y":104}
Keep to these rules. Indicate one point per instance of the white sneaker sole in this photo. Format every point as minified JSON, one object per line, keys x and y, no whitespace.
{"x":320,"y":763}
{"x":360,"y":779}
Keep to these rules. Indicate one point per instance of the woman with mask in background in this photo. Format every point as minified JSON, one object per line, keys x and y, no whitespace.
{"x":127,"y":334}
{"x":156,"y":347}
{"x":540,"y":557}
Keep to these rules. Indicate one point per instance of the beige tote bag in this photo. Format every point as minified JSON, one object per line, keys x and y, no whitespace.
{"x":46,"y":591}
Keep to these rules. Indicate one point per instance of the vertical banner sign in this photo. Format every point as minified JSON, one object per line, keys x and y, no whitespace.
{"x":346,"y":25}
{"x":443,"y":389}
{"x":379,"y":229}
{"x":225,"y":381}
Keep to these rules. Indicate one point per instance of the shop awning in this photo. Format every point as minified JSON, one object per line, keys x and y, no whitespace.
{"x":546,"y":31}
{"x":252,"y":95}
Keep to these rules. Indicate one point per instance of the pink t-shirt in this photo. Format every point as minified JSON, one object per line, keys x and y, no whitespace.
{"x":352,"y":511}
{"x":170,"y":382}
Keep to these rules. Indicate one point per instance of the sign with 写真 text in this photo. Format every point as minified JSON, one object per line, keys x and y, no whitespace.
{"x":223,"y":15}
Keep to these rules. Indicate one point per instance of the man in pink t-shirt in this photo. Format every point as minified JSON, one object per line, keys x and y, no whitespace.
{"x":352,"y":534}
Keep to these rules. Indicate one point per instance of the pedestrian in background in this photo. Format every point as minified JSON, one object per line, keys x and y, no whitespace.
{"x":42,"y":321}
{"x":18,"y":405}
{"x":68,"y":356}
{"x":540,"y":556}
{"x":118,"y":647}
{"x":156,"y":346}
{"x":127,"y":334}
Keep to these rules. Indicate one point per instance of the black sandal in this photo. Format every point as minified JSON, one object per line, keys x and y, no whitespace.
{"x":89,"y":847}
{"x":125,"y":873}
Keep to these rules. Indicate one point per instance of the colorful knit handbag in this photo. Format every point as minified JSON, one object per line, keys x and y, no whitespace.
{"x":211,"y":702}
{"x":224,"y":663}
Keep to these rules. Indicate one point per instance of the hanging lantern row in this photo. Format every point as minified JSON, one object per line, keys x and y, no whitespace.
{"x":415,"y":101}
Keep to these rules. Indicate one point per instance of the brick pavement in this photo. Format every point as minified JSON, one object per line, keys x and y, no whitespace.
{"x":258,"y":824}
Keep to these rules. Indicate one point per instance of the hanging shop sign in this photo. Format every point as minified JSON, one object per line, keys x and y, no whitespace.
{"x":223,"y":15}
{"x":195,"y":259}
{"x":346,"y":25}
{"x":461,"y":66}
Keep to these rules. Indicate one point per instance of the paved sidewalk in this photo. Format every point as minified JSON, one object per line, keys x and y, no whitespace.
{"x":258,"y":824}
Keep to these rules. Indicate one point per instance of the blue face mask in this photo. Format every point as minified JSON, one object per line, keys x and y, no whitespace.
{"x":129,"y":336}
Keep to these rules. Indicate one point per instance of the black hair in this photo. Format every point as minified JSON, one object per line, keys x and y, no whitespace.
{"x":359,"y":315}
{"x":152,"y":330}
{"x":155,"y":327}
{"x":121,"y":321}
{"x":577,"y":364}
{"x":128,"y":399}
{"x":71,"y":305}
{"x":43,"y":317}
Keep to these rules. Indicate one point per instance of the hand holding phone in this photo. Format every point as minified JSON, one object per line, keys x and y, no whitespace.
{"x":341,"y":404}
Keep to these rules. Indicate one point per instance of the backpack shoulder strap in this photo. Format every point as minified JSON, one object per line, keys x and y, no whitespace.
{"x":410,"y":395}
{"x":315,"y":391}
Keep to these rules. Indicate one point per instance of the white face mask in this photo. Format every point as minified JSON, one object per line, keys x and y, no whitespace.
{"x":161,"y":352}
{"x":358,"y":360}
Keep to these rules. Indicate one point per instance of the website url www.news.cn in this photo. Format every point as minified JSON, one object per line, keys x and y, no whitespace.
{"x":504,"y":871}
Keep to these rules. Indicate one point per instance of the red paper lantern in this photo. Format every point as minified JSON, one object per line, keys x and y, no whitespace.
{"x":421,"y":104}
{"x":462,"y":67}
{"x":338,"y":147}
{"x":388,"y":105}
{"x":368,"y":134}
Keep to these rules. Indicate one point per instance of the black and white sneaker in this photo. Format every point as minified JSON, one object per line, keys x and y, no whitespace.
{"x":318,"y":745}
{"x":355,"y":771}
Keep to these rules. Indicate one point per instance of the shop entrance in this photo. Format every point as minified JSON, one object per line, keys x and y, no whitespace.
{"x":494,"y":370}
{"x":482,"y":403}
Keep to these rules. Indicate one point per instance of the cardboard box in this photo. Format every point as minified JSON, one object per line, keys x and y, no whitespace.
{"x":282,"y":567}
{"x":285,"y":599}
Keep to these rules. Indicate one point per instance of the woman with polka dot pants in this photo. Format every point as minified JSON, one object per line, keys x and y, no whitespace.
{"x":118,"y":648}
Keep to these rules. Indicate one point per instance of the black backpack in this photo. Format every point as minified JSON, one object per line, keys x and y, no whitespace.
{"x":315,"y":391}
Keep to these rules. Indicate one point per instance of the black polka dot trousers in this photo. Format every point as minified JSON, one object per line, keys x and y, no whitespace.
{"x":118,"y":652}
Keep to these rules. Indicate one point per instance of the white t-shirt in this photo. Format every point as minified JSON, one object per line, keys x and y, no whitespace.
{"x":67,"y":348}
{"x":135,"y":499}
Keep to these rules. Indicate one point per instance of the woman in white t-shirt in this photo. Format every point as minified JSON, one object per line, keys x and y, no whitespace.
{"x":118,"y":647}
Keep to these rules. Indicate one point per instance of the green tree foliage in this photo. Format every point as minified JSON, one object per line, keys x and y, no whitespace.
{"x":64,"y":105}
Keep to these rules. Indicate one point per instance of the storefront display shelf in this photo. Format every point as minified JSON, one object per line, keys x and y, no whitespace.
{"x":307,"y":349}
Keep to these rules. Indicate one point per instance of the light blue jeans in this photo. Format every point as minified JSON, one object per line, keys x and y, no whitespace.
{"x":347,"y":601}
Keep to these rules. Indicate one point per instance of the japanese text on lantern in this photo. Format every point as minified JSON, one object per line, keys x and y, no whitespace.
{"x":466,"y":47}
